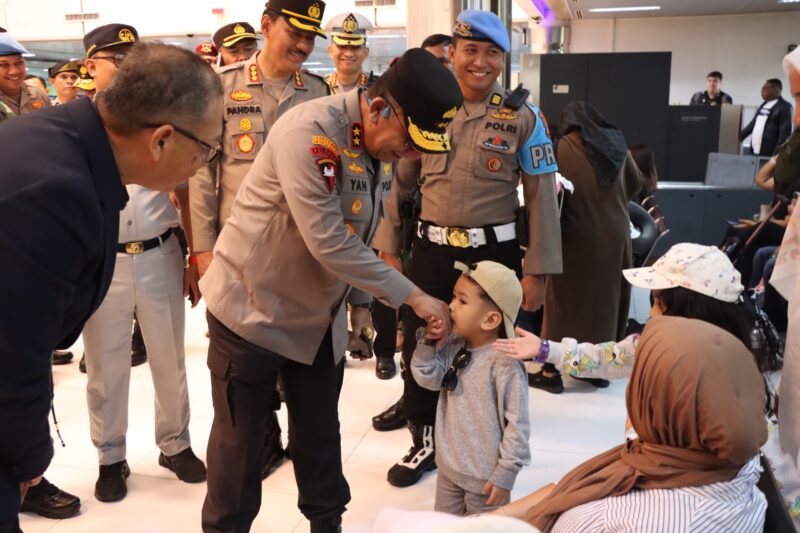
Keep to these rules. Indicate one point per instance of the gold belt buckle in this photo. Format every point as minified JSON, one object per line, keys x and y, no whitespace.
{"x":134,"y":247}
{"x":458,"y":237}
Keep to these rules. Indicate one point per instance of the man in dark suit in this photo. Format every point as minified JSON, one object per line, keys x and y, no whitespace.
{"x":59,"y":222}
{"x":772,"y":124}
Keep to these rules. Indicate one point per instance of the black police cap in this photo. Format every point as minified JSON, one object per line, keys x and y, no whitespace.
{"x":429,"y":95}
{"x":303,"y":15}
{"x":232,"y":33}
{"x":108,"y":36}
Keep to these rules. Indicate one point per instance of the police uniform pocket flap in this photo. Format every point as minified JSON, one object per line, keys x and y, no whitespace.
{"x":356,"y":206}
{"x":218,"y":364}
{"x":495,"y":164}
{"x":246,"y":136}
{"x":434,"y":164}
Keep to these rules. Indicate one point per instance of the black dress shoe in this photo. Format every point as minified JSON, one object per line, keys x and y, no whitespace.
{"x":597,"y":382}
{"x":551,"y":384}
{"x":82,"y":364}
{"x":61,"y":357}
{"x":47,"y":500}
{"x":272,"y":453}
{"x":111,"y":485}
{"x":186,"y":466}
{"x":385,"y":368}
{"x":392,"y":418}
{"x":327,"y":525}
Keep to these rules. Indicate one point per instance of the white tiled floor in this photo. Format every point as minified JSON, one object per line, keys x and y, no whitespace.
{"x":566,"y":430}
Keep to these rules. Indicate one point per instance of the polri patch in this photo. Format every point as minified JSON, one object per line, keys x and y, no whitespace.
{"x":321,"y":140}
{"x":494,"y":164}
{"x":245,"y":143}
{"x":357,"y":206}
{"x":327,"y":170}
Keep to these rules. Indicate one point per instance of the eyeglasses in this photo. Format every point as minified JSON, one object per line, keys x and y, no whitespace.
{"x":212,"y":151}
{"x":408,"y":145}
{"x":460,"y":361}
{"x":117,"y":59}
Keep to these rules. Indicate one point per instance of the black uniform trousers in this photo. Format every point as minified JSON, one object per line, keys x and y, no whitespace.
{"x":243,"y":378}
{"x":431,"y":269}
{"x":384,"y":319}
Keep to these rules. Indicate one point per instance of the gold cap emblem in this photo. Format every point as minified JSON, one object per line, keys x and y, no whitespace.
{"x":238,"y":29}
{"x":127,"y":36}
{"x":350,"y":24}
{"x":314,"y":11}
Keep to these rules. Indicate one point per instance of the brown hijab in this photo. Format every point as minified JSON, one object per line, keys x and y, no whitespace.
{"x":697,"y":402}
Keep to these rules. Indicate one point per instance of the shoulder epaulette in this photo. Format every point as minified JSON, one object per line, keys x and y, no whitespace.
{"x":516,"y":98}
{"x":320,"y":78}
{"x":234,"y":66}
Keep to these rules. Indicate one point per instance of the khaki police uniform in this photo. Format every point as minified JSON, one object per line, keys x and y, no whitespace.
{"x":250,"y":111}
{"x":336,"y":86}
{"x":149,"y":282}
{"x":31,"y":99}
{"x":293,"y":252}
{"x":474,"y":187}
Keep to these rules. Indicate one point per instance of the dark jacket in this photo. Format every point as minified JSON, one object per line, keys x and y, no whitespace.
{"x":703,"y":98}
{"x":776,"y":130}
{"x":60,"y":197}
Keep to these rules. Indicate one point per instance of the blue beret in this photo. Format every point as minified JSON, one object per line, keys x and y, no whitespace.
{"x":10,"y":47}
{"x":482,"y":26}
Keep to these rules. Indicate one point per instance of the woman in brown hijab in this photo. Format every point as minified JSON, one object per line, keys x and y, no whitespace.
{"x":697,"y":402}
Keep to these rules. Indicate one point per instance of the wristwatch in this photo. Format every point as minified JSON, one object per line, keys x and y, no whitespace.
{"x":422,"y":339}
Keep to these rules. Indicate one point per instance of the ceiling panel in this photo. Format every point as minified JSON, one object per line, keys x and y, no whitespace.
{"x":668,"y":8}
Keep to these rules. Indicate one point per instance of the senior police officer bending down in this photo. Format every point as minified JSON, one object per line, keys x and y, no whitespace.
{"x":292,"y":254}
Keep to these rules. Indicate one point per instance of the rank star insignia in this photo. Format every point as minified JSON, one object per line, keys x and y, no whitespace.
{"x":355,"y":168}
{"x":494,"y":164}
{"x":245,"y":143}
{"x":357,"y":206}
{"x":245,"y":124}
{"x":255,"y":76}
{"x":240,"y":95}
{"x":298,"y":81}
{"x":355,"y":136}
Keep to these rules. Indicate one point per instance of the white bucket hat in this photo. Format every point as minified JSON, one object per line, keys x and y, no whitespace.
{"x":703,"y":269}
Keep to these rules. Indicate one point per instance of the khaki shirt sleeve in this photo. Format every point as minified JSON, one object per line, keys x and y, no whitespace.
{"x":543,"y":255}
{"x":318,"y":215}
{"x":388,"y":236}
{"x":204,"y":208}
{"x":358,"y":297}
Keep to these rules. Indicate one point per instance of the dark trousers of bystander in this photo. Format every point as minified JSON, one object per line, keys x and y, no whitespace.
{"x":243,"y":378}
{"x":431,"y":269}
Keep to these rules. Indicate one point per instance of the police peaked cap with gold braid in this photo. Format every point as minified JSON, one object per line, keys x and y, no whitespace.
{"x":349,"y":29}
{"x":85,"y":81}
{"x":303,"y":15}
{"x":70,"y":65}
{"x":429,"y":97}
{"x":232,"y":33}
{"x":108,"y":36}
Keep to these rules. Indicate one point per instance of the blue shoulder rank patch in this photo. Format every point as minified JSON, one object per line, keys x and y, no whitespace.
{"x":537,"y":155}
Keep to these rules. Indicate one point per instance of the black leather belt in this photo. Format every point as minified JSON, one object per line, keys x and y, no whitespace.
{"x":137,"y":247}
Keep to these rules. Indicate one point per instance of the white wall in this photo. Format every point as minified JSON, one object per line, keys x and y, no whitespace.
{"x":747,"y":49}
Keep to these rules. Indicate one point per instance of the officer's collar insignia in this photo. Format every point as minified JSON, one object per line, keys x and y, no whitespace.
{"x":355,"y":168}
{"x":356,"y":133}
{"x":496,"y":142}
{"x":241,"y":95}
{"x":504,"y":114}
{"x":350,"y":154}
{"x":125,"y":35}
{"x":496,"y":99}
{"x":246,"y":143}
{"x":350,"y":24}
{"x":462,"y":29}
{"x":255,"y":75}
{"x":325,"y":142}
{"x":298,"y":80}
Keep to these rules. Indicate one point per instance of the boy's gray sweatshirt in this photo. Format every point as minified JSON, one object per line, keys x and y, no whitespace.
{"x":483,"y":426}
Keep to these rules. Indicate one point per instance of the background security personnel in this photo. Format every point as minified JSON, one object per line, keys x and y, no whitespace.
{"x":469,"y":200}
{"x":257,"y":92}
{"x":148,"y":279}
{"x":235,"y":42}
{"x":64,"y":77}
{"x":348,"y":50}
{"x":14,"y":93}
{"x":292,"y":254}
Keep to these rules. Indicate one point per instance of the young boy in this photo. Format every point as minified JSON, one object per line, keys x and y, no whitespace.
{"x":482,"y":422}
